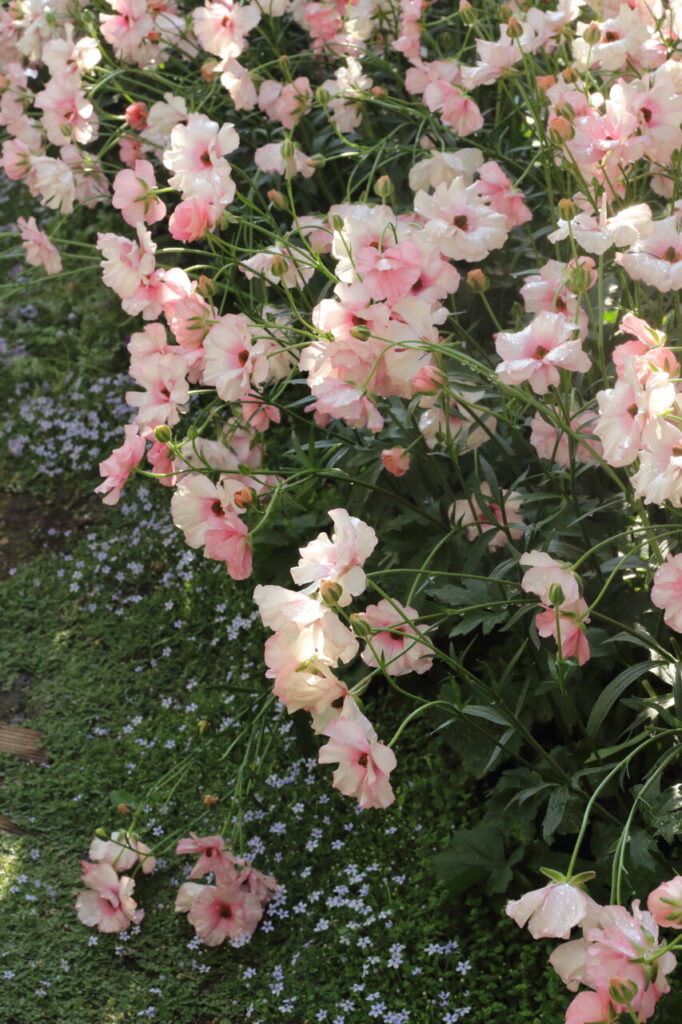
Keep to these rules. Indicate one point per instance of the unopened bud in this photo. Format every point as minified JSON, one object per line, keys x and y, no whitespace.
{"x":163,"y":433}
{"x":361,"y":332}
{"x":283,"y":61}
{"x":567,"y":209}
{"x":383,"y":187}
{"x":208,"y":70}
{"x":208,"y":800}
{"x":202,"y":726}
{"x":244,"y":497}
{"x":279,"y":266}
{"x":623,"y":990}
{"x":544,"y":82}
{"x":330,"y":593}
{"x":277,"y":199}
{"x":477,"y":282}
{"x":565,"y":109}
{"x":123,"y":809}
{"x":580,"y":279}
{"x":359,"y":626}
{"x":560,"y":130}
{"x":514,"y":29}
{"x":592,"y":34}
{"x":102,"y":833}
{"x":504,"y":12}
{"x":467,"y":12}
{"x":322,"y":96}
{"x":570,"y":75}
{"x":317,"y":160}
{"x":287,"y":149}
{"x":556,"y":594}
{"x":337,"y":222}
{"x":206,"y":286}
{"x":429,"y":380}
{"x":379,"y":92}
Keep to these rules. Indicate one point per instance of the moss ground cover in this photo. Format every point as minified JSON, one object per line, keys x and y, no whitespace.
{"x":141,"y":664}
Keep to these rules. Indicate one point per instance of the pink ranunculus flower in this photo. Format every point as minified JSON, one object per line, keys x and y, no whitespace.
{"x":396,"y":461}
{"x":566,"y":623}
{"x":192,"y":219}
{"x":364,"y":763}
{"x":613,"y":948}
{"x":553,"y":911}
{"x":389,"y":271}
{"x":40,"y":251}
{"x":228,"y":541}
{"x":544,"y":574}
{"x":396,"y":641}
{"x":665,"y":903}
{"x":591,"y":1008}
{"x":666,"y":592}
{"x":338,"y":559}
{"x":122,"y":851}
{"x":107,"y":904}
{"x":118,"y":467}
{"x":133,"y":195}
{"x":536,"y":354}
{"x":213,"y":856}
{"x":234,"y":359}
{"x":224,"y":911}
{"x":482,"y":517}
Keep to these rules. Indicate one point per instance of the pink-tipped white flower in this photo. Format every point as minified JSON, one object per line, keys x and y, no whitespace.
{"x":666,"y":592}
{"x":537,"y":353}
{"x":107,"y":904}
{"x":544,"y":574}
{"x":364,"y":763}
{"x":40,"y":251}
{"x":224,"y":911}
{"x":234,"y":361}
{"x":459,"y":223}
{"x":337,"y":560}
{"x":553,"y":911}
{"x":665,"y":903}
{"x":118,"y":466}
{"x":482,"y":517}
{"x":395,"y":641}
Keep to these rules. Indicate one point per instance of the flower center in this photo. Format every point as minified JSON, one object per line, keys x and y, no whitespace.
{"x":217,"y":510}
{"x":225,"y":912}
{"x":363,"y":760}
{"x":461,"y":222}
{"x":671,"y":254}
{"x":540,"y":352}
{"x":206,"y":158}
{"x":243,"y":357}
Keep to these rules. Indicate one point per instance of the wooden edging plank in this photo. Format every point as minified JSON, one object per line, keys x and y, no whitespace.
{"x":7,"y":825}
{"x":24,"y":743}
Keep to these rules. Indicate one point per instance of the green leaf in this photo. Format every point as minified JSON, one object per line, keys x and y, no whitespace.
{"x":555,"y":812}
{"x":475,"y":855}
{"x":608,"y":697}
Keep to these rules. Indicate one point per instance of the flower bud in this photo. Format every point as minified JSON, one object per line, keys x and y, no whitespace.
{"x":279,"y":266}
{"x":429,"y":380}
{"x":361,"y":332}
{"x":383,"y":187}
{"x":202,"y":726}
{"x":208,"y":800}
{"x":544,"y":82}
{"x":556,"y":594}
{"x":123,"y":809}
{"x":322,"y":96}
{"x":287,"y":149}
{"x":514,"y":28}
{"x":570,"y":75}
{"x":244,"y":497}
{"x":277,"y":199}
{"x":592,"y":34}
{"x":208,"y":70}
{"x":565,"y":109}
{"x":206,"y":286}
{"x":163,"y":433}
{"x":337,"y":222}
{"x":622,"y":990}
{"x":330,"y":593}
{"x":102,"y":833}
{"x":467,"y":12}
{"x":477,"y":282}
{"x":283,"y":62}
{"x":560,"y":130}
{"x":360,"y":627}
{"x":317,"y":160}
{"x":379,"y":92}
{"x":567,"y":209}
{"x":580,"y":279}
{"x":504,"y":12}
